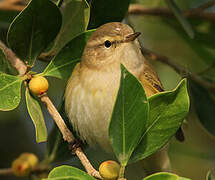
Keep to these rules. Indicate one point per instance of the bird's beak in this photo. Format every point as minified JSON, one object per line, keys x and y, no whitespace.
{"x":132,"y":37}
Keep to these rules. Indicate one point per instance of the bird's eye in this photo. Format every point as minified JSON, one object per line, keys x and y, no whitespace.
{"x":108,"y":44}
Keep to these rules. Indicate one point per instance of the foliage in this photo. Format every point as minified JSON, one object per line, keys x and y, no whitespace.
{"x":139,"y":126}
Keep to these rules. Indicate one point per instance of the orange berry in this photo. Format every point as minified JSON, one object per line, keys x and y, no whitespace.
{"x":38,"y":85}
{"x":109,"y":170}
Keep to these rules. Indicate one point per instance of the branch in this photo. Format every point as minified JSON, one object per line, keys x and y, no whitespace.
{"x":137,"y":9}
{"x":204,"y":6}
{"x":67,"y":134}
{"x":15,"y":61}
{"x":180,"y":69}
{"x":12,"y":5}
{"x":6,"y":171}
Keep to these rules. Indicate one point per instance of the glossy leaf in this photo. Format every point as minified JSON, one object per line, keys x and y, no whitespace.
{"x":104,"y":11}
{"x":179,"y":15}
{"x":63,"y":63}
{"x":36,"y":115}
{"x":68,"y":173}
{"x":210,"y":176}
{"x":76,"y":15}
{"x":10,"y":91}
{"x":33,"y":29}
{"x":129,"y":116}
{"x":167,"y":111}
{"x":204,"y":105}
{"x":164,"y":176}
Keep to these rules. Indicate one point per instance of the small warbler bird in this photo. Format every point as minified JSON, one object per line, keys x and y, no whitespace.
{"x":92,"y":88}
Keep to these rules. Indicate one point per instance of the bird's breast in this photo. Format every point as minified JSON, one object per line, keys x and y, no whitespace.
{"x":89,"y":100}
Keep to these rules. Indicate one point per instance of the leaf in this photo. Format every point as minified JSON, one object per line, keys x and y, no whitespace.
{"x":33,"y":29}
{"x":167,"y":111}
{"x":5,"y":66}
{"x":57,"y":149}
{"x":63,"y":63}
{"x":129,"y":116}
{"x":76,"y":15}
{"x":179,"y":15}
{"x":164,"y":176}
{"x":36,"y":115}
{"x":104,"y":11}
{"x":210,"y":176}
{"x":68,"y":173}
{"x":204,"y":105}
{"x":10,"y":91}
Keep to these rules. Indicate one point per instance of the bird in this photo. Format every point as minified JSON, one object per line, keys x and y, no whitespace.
{"x":92,"y":89}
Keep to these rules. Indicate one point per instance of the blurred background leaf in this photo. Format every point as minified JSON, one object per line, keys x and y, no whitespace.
{"x":33,"y":29}
{"x":10,"y":90}
{"x":76,"y":16}
{"x":129,"y":117}
{"x":63,"y":63}
{"x":210,"y":176}
{"x":103,"y":11}
{"x":36,"y":115}
{"x":204,"y":105}
{"x":179,"y":15}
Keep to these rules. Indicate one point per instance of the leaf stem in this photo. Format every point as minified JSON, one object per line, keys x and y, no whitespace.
{"x":59,"y":3}
{"x":121,"y":172}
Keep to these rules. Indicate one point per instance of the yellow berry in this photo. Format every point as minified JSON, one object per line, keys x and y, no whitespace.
{"x":30,"y":158}
{"x":109,"y":170}
{"x":24,"y":164}
{"x":38,"y":85}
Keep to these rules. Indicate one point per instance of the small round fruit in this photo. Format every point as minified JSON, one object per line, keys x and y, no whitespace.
{"x":109,"y":170}
{"x":30,"y":158}
{"x":23,"y":164}
{"x":38,"y":85}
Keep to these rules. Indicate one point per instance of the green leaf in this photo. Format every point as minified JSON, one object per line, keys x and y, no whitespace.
{"x":210,"y":176}
{"x":179,"y":15}
{"x":129,"y":116}
{"x":5,"y":66}
{"x":68,"y":173}
{"x":36,"y":115}
{"x":63,"y":63}
{"x":57,"y":149}
{"x":10,"y":91}
{"x":33,"y":29}
{"x":204,"y":105}
{"x":76,"y":15}
{"x":167,"y":111}
{"x":164,"y":176}
{"x":104,"y":11}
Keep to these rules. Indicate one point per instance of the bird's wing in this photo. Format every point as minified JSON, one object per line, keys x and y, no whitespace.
{"x":152,"y":85}
{"x":150,"y":80}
